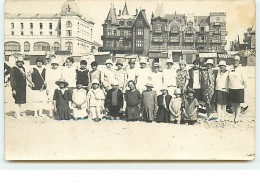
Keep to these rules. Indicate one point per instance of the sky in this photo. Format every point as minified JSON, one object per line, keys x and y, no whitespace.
{"x":240,"y":13}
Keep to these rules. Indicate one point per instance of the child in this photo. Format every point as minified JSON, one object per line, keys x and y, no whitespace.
{"x":194,"y":81}
{"x":190,"y":108}
{"x":114,"y":100}
{"x":95,"y":74}
{"x":69,"y":73}
{"x":175,"y":107}
{"x":182,"y":76}
{"x":82,"y":74}
{"x":163,"y":101}
{"x":133,"y":99}
{"x":62,"y":100}
{"x":157,"y":77}
{"x":109,"y":74}
{"x":144,"y":75}
{"x":79,"y":98}
{"x":169,"y":76}
{"x":95,"y":101}
{"x":120,"y":75}
{"x":149,"y":103}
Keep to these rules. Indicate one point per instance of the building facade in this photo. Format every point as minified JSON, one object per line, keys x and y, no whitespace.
{"x":36,"y":34}
{"x":126,"y":34}
{"x":183,"y":36}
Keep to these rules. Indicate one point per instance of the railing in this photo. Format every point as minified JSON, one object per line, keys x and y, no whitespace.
{"x":217,"y":32}
{"x":224,"y":32}
{"x":201,"y":41}
{"x":188,"y":40}
{"x":122,"y":48}
{"x":157,"y":40}
{"x":174,"y":40}
{"x":216,"y":41}
{"x":157,"y":31}
{"x":174,"y":31}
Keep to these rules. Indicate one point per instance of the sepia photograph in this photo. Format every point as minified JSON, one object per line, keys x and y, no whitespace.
{"x":129,"y":80}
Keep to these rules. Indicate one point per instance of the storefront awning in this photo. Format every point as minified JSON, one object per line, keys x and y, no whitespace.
{"x":224,"y":56}
{"x":208,"y":55}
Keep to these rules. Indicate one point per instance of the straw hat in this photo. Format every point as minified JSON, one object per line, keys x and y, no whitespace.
{"x":222,"y":63}
{"x":149,"y":85}
{"x":20,"y":59}
{"x":95,"y":81}
{"x":177,"y":91}
{"x":210,"y":61}
{"x":62,"y":81}
{"x":54,"y":61}
{"x":109,"y":61}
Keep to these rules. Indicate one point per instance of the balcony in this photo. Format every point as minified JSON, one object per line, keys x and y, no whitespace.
{"x":224,"y":33}
{"x":174,"y":47}
{"x":122,"y":48}
{"x":189,"y":32}
{"x":157,"y":31}
{"x":157,"y":40}
{"x":188,"y":40}
{"x":109,"y":37}
{"x":139,"y":48}
{"x":224,"y":42}
{"x":217,"y":32}
{"x":217,"y":23}
{"x":174,"y":31}
{"x":200,"y":41}
{"x":174,"y":39}
{"x":216,"y":41}
{"x":202,"y":32}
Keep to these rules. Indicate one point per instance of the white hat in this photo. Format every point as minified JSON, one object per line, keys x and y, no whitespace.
{"x":20,"y":59}
{"x":109,"y":61}
{"x":115,"y":82}
{"x":95,"y":81}
{"x":164,"y":87}
{"x":222,"y":63}
{"x":177,"y":91}
{"x":182,"y":62}
{"x":169,"y":60}
{"x":149,"y":85}
{"x":54,"y":61}
{"x":210,"y":61}
{"x":236,"y":58}
{"x":143,"y":61}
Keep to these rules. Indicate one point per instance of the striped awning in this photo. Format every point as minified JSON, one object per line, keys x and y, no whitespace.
{"x":224,"y":56}
{"x":208,"y":55}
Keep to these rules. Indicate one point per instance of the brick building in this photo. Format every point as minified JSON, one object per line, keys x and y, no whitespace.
{"x":186,"y":36}
{"x":126,"y":34}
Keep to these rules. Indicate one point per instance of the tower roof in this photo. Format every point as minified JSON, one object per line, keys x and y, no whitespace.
{"x":125,"y":10}
{"x":159,"y":11}
{"x":70,"y":7}
{"x":112,"y":14}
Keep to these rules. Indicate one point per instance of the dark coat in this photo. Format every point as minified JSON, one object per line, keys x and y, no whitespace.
{"x":163,"y":113}
{"x":120,"y":100}
{"x":191,"y":75}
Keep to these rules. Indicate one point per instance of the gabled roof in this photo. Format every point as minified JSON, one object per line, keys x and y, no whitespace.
{"x":125,"y":10}
{"x":142,"y":13}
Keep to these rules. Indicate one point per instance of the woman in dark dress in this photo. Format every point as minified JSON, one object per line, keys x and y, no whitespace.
{"x":18,"y":84}
{"x":133,"y":100}
{"x":163,"y":101}
{"x":62,"y":100}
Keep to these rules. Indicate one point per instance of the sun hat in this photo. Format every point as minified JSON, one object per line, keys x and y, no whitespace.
{"x":143,"y":61}
{"x":119,"y":63}
{"x":95,"y":81}
{"x":210,"y":61}
{"x":236,"y":58}
{"x":169,"y":60}
{"x":149,"y":85}
{"x":109,"y":61}
{"x":115,"y":82}
{"x":20,"y":59}
{"x":62,"y":81}
{"x":54,"y":61}
{"x":222,"y":63}
{"x":182,"y":62}
{"x":177,"y":91}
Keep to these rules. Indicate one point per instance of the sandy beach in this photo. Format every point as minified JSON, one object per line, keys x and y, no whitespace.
{"x":46,"y":139}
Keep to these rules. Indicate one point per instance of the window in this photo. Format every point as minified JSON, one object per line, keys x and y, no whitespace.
{"x":12,"y":32}
{"x":21,"y":26}
{"x":129,"y":32}
{"x":31,"y":26}
{"x":121,"y":33}
{"x":69,"y":46}
{"x":139,"y":43}
{"x":122,"y":23}
{"x":202,"y":29}
{"x":26,"y":46}
{"x":108,"y":44}
{"x":140,"y":31}
{"x":41,"y":46}
{"x":129,"y":23}
{"x":114,"y":44}
{"x":56,"y":46}
{"x":68,"y":33}
{"x":139,"y":22}
{"x":50,"y":33}
{"x":218,"y":19}
{"x":12,"y":46}
{"x":40,"y":32}
{"x":21,"y":32}
{"x":68,"y":24}
{"x":12,"y":26}
{"x":175,"y":28}
{"x":40,"y":25}
{"x":115,"y":32}
{"x":109,"y":32}
{"x":50,"y":26}
{"x":31,"y":32}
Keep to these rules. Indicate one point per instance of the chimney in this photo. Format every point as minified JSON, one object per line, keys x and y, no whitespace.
{"x":120,"y":13}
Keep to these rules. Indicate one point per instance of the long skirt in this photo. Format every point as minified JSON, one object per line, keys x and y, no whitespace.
{"x":64,"y":113}
{"x":163,"y":115}
{"x":220,"y":97}
{"x":236,"y":95}
{"x":20,"y":97}
{"x":79,"y":113}
{"x":148,"y":113}
{"x":133,"y":112}
{"x":114,"y":111}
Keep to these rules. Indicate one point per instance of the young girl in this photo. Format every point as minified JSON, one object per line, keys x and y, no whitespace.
{"x":190,"y":108}
{"x":175,"y":107}
{"x":69,"y":73}
{"x":221,"y":90}
{"x":79,"y":98}
{"x":149,"y":103}
{"x":109,"y":74}
{"x":62,"y":100}
{"x":94,"y":74}
{"x":95,"y":102}
{"x":114,"y":100}
{"x":82,"y":74}
{"x":163,"y":101}
{"x":182,"y":76}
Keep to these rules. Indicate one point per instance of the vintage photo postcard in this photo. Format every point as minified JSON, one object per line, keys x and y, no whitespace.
{"x":129,"y":80}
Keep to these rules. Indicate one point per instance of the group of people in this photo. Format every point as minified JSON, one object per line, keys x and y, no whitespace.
{"x":172,"y":95}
